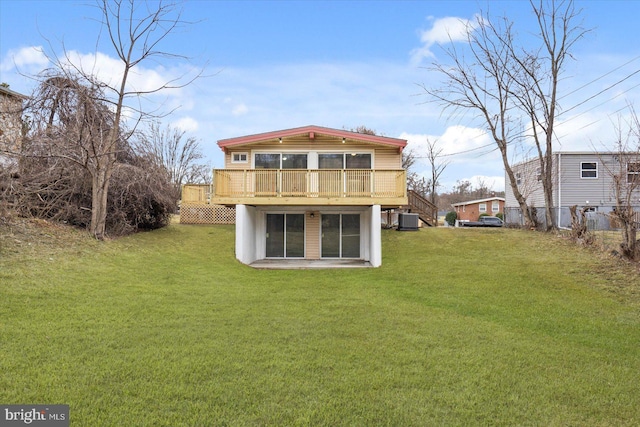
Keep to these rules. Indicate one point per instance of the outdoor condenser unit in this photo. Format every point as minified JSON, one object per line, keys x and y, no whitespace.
{"x":407,"y":222}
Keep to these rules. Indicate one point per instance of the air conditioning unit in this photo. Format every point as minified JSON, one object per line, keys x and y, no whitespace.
{"x":407,"y":222}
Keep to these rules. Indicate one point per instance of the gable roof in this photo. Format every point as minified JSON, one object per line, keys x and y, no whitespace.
{"x":473,"y":202}
{"x":312,"y":131}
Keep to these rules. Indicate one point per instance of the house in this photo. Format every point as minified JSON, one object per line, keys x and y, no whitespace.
{"x":471,"y":210}
{"x":582,"y":179}
{"x":11,"y":124}
{"x":308,"y":193}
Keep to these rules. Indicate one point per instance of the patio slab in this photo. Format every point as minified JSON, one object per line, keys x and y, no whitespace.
{"x":305,"y":264}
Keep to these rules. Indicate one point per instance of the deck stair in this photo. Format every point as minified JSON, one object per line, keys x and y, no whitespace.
{"x":427,"y":211}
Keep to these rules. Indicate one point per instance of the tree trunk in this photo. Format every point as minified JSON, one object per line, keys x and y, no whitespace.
{"x":100,"y":183}
{"x":529,"y":222}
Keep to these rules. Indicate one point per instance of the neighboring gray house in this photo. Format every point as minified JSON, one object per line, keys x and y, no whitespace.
{"x":583,"y":179}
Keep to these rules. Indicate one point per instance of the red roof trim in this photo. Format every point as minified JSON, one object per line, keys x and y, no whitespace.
{"x":312,"y":130}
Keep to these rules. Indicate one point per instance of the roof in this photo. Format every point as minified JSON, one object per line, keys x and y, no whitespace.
{"x":7,"y":91}
{"x":312,"y":131}
{"x":473,"y":202}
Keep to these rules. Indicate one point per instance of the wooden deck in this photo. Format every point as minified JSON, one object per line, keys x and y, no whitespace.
{"x":314,"y":187}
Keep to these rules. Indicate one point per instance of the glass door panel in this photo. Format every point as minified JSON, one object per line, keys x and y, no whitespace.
{"x":350,"y":236}
{"x":294,"y":175}
{"x":266,"y":180}
{"x":330,"y":236}
{"x":358,"y":161}
{"x":275,"y":236}
{"x":294,"y":236}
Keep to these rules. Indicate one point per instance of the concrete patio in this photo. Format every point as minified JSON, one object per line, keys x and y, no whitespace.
{"x":305,"y":264}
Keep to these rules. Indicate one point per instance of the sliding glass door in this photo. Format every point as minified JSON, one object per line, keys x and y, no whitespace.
{"x":340,"y":236}
{"x":285,"y":236}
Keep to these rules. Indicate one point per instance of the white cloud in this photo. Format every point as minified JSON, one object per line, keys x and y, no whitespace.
{"x":240,"y":110}
{"x":443,"y":30}
{"x":187,"y":124}
{"x":457,"y":142}
{"x":27,"y":59}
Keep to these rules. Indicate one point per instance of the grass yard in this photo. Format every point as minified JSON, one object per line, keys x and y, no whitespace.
{"x":458,"y":327}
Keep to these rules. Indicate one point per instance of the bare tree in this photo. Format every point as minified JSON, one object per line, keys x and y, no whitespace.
{"x":178,"y":155}
{"x":537,"y":78}
{"x":483,"y":86}
{"x":626,"y":183}
{"x":507,"y":85}
{"x":135,"y":31}
{"x":437,"y":168}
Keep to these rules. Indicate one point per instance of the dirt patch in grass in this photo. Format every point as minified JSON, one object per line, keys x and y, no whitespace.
{"x":22,"y":236}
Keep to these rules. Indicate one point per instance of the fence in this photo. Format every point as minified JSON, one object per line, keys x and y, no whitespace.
{"x":602,"y":219}
{"x":201,"y":213}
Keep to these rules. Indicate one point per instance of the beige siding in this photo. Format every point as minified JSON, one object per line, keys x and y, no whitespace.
{"x":313,"y":235}
{"x":388,"y":159}
{"x":383,"y":157}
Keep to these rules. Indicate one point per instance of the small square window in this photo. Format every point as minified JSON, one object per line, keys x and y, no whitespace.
{"x":588,"y":170}
{"x":239,"y":158}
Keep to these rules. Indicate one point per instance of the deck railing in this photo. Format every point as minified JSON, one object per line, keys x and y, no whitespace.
{"x":329,"y":183}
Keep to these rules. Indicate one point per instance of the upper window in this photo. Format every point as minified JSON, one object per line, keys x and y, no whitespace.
{"x":482,"y":207}
{"x":588,"y":169}
{"x":280,"y":161}
{"x":539,"y":174}
{"x":518,"y":178}
{"x":633,"y":173}
{"x":239,"y":158}
{"x":495,"y":206}
{"x":344,"y":161}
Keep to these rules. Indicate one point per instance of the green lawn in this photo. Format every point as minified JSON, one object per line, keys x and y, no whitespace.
{"x":458,"y":327}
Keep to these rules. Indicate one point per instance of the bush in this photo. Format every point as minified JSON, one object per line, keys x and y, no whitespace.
{"x":451,"y":217}
{"x":500,"y":215}
{"x":140,"y":195}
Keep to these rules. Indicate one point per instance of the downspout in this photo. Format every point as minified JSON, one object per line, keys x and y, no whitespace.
{"x":559,"y":189}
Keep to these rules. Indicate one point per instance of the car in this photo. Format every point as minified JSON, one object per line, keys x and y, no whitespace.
{"x":483,"y":221}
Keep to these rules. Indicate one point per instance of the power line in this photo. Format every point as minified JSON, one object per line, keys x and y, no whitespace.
{"x":601,"y":92}
{"x":598,"y":78}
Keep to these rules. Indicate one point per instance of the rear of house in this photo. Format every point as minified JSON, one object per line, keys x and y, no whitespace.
{"x":310,"y":193}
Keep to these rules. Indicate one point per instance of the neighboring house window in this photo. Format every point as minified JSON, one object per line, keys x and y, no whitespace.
{"x":633,"y":173}
{"x":518,"y":178}
{"x":482,"y":207}
{"x":588,"y":170}
{"x":495,"y":206}
{"x":239,"y":158}
{"x":539,"y":174}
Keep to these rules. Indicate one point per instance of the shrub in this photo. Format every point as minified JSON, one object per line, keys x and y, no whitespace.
{"x":451,"y":217}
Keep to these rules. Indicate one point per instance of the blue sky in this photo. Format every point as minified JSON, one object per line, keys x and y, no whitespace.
{"x":342,"y":64}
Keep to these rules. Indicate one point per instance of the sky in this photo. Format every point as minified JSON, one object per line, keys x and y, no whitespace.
{"x":271,"y":65}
